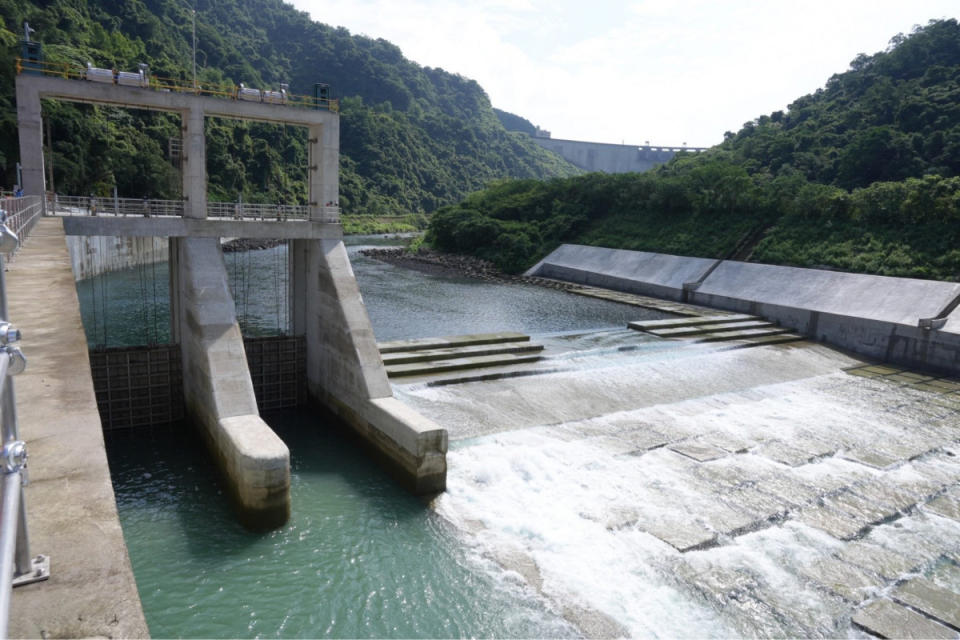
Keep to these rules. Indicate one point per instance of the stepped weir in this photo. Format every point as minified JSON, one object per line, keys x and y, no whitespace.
{"x":344,"y":369}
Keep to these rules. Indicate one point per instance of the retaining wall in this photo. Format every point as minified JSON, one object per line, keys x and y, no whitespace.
{"x":877,"y":316}
{"x":93,"y":255}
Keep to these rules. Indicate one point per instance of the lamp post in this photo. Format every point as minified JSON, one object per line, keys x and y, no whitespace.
{"x":194,"y":11}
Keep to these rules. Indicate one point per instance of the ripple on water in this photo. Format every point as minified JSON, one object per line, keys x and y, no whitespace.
{"x":359,"y":558}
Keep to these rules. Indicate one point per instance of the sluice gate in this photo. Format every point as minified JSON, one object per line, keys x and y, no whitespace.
{"x":143,"y":386}
{"x":343,"y":370}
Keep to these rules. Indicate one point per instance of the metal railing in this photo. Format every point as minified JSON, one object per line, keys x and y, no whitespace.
{"x":96,"y":206}
{"x":19,"y":214}
{"x":175,"y":85}
{"x":17,"y":566}
{"x":248,"y":211}
{"x":142,"y":207}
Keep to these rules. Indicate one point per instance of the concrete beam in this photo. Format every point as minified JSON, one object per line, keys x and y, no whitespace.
{"x":138,"y":98}
{"x":198,"y":228}
{"x":218,"y":392}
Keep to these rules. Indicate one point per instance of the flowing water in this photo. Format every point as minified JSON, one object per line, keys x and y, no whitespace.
{"x":633,"y":486}
{"x":360,"y":557}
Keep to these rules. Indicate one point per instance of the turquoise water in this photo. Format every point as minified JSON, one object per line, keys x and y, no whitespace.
{"x":360,"y":557}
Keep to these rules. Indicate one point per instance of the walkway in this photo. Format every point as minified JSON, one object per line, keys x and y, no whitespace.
{"x":70,"y":503}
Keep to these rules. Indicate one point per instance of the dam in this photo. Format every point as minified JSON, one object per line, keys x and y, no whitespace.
{"x":623,"y":483}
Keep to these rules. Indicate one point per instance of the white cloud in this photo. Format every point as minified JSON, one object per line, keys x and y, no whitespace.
{"x":668,"y":71}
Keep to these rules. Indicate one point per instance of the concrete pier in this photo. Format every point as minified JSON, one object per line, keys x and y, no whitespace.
{"x":345,"y":372}
{"x":71,"y":511}
{"x":218,"y":391}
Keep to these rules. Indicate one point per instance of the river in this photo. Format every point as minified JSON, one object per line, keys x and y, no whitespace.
{"x":634,"y":486}
{"x":359,"y":557}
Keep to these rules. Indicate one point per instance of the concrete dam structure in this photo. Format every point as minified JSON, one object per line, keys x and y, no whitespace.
{"x":903,"y":320}
{"x":611,"y":158}
{"x":345,"y":373}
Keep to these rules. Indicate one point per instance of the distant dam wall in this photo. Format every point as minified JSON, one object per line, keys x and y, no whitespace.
{"x":611,"y":158}
{"x":904,"y":320}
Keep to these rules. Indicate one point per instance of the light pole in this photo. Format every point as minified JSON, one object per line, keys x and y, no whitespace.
{"x":194,"y":10}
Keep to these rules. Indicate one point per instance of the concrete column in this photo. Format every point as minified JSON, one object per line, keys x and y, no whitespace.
{"x":323,"y":166}
{"x":30,"y":128}
{"x":218,"y":392}
{"x":194,"y":164}
{"x":346,"y":374}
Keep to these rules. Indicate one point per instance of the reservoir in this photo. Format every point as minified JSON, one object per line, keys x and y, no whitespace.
{"x":627,"y":485}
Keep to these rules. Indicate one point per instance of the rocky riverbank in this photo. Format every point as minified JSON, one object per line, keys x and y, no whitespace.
{"x":430,"y":261}
{"x":247,"y":244}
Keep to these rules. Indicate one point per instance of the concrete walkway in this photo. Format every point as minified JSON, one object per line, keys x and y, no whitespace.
{"x":72,"y":514}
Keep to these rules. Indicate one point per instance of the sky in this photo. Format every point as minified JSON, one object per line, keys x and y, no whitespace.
{"x":667,"y":72}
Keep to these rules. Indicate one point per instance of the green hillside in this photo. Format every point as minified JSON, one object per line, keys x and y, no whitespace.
{"x":863,"y":175}
{"x":412,"y":138}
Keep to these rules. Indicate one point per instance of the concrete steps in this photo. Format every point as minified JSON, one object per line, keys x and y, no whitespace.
{"x":672,"y":323}
{"x":448,"y":342}
{"x":430,"y":356}
{"x":699,"y":330}
{"x":741,"y":334}
{"x":750,"y":330}
{"x":458,"y":364}
{"x":779,"y":338}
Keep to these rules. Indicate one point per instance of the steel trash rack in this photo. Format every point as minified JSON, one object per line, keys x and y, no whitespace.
{"x":17,"y":566}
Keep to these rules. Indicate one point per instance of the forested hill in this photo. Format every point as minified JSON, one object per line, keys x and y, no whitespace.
{"x":893,"y":115}
{"x":412,"y":138}
{"x":863,"y":175}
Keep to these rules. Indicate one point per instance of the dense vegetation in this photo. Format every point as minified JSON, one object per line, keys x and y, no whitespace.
{"x":412,"y":138}
{"x":863,"y":175}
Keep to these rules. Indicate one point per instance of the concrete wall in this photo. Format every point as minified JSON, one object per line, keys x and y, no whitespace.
{"x":93,"y":255}
{"x":876,"y":316}
{"x":608,"y":158}
{"x":345,"y":372}
{"x":652,"y":274}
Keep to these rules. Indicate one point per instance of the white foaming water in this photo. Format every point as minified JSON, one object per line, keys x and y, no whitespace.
{"x":534,"y":495}
{"x":552,"y":476}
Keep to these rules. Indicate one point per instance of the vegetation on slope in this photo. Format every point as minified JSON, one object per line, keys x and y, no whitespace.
{"x":863,"y":175}
{"x":412,"y":138}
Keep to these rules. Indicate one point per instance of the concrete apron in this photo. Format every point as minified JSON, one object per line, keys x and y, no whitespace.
{"x":218,"y":391}
{"x":345,"y":373}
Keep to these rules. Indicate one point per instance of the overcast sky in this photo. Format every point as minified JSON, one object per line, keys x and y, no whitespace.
{"x":664,"y":71}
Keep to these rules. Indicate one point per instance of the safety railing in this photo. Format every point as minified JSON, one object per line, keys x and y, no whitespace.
{"x":17,"y":565}
{"x":144,"y":207}
{"x":254,"y":211}
{"x":19,"y":214}
{"x":177,"y":85}
{"x":96,"y":206}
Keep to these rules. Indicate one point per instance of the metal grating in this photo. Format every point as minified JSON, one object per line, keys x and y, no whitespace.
{"x":277,"y":369}
{"x":143,"y":386}
{"x":138,"y":386}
